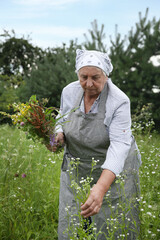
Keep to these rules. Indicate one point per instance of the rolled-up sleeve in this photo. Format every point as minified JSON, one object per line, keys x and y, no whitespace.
{"x":120,"y":138}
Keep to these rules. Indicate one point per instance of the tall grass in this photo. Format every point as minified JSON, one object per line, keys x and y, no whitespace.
{"x":29,"y":187}
{"x":149,"y":146}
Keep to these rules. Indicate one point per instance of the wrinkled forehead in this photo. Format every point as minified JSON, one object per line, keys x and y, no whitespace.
{"x":90,"y":70}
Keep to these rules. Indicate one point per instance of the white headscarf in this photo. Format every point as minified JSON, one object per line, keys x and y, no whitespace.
{"x":93,"y":58}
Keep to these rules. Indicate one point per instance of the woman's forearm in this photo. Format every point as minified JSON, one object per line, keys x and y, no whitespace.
{"x":105,"y":180}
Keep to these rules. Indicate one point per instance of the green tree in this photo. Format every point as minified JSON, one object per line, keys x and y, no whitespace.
{"x":95,"y":41}
{"x":133,"y":70}
{"x":17,"y":55}
{"x":51,"y":74}
{"x":8,"y":94}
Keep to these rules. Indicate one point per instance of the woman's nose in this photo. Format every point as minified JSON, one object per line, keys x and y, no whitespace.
{"x":89,"y":83}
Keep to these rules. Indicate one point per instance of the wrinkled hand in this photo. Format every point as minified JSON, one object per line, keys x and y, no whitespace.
{"x":95,"y":199}
{"x":59,"y":141}
{"x":94,"y":202}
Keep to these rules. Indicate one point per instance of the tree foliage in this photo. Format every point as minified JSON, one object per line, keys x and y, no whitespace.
{"x":8,"y":94}
{"x":96,"y":38}
{"x":17,"y":55}
{"x":51,"y":74}
{"x":133,"y":70}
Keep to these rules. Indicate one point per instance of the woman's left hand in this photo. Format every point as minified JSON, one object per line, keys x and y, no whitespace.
{"x":93,"y":203}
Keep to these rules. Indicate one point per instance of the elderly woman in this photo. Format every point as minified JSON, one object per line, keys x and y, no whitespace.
{"x":99,"y":128}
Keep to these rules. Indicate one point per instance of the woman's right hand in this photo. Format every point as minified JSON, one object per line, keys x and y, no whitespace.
{"x":59,"y":142}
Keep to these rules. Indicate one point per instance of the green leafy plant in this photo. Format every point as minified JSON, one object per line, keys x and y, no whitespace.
{"x":142,"y":121}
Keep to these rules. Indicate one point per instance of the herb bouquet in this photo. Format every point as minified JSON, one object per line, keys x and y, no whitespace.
{"x":37,"y":121}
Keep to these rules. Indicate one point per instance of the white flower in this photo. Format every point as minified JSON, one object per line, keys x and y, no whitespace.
{"x":149,"y":213}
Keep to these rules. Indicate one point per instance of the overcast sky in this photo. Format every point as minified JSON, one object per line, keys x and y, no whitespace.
{"x":53,"y":22}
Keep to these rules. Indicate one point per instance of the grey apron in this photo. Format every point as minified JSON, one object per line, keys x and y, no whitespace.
{"x":87,"y":138}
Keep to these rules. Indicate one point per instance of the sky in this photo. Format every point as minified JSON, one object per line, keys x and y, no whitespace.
{"x":50,"y":23}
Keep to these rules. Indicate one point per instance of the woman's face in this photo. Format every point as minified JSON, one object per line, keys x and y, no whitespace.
{"x":92,"y":80}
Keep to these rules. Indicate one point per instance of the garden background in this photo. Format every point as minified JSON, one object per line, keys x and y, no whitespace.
{"x":29,"y":173}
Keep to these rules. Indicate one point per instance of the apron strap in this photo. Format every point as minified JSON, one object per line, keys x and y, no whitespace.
{"x":79,"y":98}
{"x":103,"y":99}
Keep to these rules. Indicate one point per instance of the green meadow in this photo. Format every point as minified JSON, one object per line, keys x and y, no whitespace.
{"x":29,"y":187}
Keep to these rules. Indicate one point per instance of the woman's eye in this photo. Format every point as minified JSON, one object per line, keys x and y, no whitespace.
{"x":95,"y":78}
{"x":84,"y":78}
